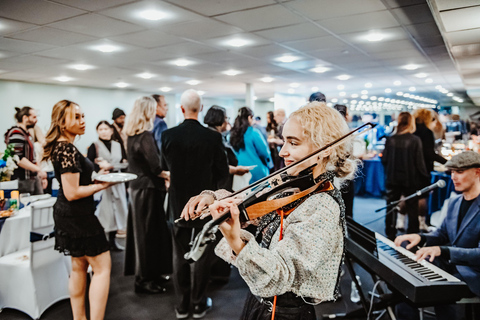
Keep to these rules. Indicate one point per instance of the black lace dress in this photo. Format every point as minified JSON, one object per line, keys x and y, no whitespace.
{"x":77,"y":230}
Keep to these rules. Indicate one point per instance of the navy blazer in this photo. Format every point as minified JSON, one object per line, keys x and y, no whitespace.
{"x":464,"y":243}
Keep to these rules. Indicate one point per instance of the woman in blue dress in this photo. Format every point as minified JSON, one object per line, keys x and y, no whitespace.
{"x":250,"y":146}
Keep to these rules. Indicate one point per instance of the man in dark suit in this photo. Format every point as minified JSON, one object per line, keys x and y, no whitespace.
{"x":455,"y":246}
{"x":195,"y":157}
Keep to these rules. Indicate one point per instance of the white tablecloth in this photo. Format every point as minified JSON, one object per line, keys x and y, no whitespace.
{"x":15,"y":234}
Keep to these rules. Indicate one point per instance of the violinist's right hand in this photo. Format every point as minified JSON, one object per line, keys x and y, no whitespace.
{"x":196,"y":205}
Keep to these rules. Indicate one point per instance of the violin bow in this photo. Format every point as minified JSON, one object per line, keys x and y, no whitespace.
{"x":275,"y":181}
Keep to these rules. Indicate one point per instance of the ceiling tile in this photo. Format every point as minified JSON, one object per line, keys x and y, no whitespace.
{"x":461,"y":19}
{"x":261,"y":18}
{"x":148,"y":39}
{"x":327,"y":9}
{"x":23,"y":46}
{"x":93,"y":5}
{"x":267,"y":52}
{"x":391,"y":46}
{"x":292,"y":33}
{"x":8,"y":26}
{"x":361,"y":22}
{"x":201,"y":29}
{"x":402,"y":3}
{"x":449,"y":4}
{"x":215,"y":7}
{"x":186,"y":49}
{"x":52,"y":36}
{"x":8,"y":54}
{"x":463,"y":37}
{"x":131,"y":13}
{"x":96,"y":25}
{"x":329,"y":42}
{"x":36,"y":11}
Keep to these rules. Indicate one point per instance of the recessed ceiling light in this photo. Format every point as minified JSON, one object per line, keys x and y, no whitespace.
{"x":288,"y":59}
{"x":373,"y":98}
{"x":255,"y":98}
{"x":410,"y":67}
{"x":428,"y":80}
{"x":315,"y":89}
{"x":364,"y":96}
{"x":354,"y":95}
{"x":145,"y":75}
{"x":368,"y":85}
{"x":182,"y":62}
{"x":460,"y":100}
{"x":152,"y":15}
{"x":342,"y":94}
{"x":388,"y":90}
{"x":237,"y":42}
{"x":121,"y":84}
{"x":63,"y":79}
{"x":343,"y":77}
{"x":397,"y":83}
{"x":81,"y":67}
{"x":438,"y":87}
{"x":107,"y":48}
{"x":407,"y":95}
{"x":232,"y":72}
{"x":271,"y":99}
{"x":412,"y":89}
{"x":450,"y":94}
{"x":421,"y":75}
{"x":399,"y":93}
{"x":374,"y":37}
{"x":364,"y":92}
{"x":345,"y":100}
{"x":165,"y":89}
{"x":200,"y":92}
{"x":291,"y":90}
{"x":319,"y":69}
{"x":334,"y":100}
{"x":294,"y":85}
{"x":340,"y":87}
{"x":193,"y":82}
{"x":267,"y":79}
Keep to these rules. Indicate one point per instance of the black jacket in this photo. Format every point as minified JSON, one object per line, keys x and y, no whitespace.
{"x":428,"y":144}
{"x":403,"y":161}
{"x":196,"y":159}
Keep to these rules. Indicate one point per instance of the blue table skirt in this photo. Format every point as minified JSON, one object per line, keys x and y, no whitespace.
{"x":370,"y":179}
{"x":439,"y":195}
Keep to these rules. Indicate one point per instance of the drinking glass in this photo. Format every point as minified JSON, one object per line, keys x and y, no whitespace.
{"x":25,"y":199}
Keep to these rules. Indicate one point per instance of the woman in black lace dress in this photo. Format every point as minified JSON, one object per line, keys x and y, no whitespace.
{"x":78,"y":232}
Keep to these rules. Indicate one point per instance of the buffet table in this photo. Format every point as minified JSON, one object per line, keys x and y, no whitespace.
{"x":15,"y":233}
{"x":371,"y":179}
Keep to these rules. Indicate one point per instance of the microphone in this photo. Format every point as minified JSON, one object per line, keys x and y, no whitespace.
{"x":438,"y":184}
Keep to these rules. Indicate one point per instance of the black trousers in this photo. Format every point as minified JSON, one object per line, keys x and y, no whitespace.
{"x":411,"y":207}
{"x":348,"y":193}
{"x":255,"y":310}
{"x":190,"y":279}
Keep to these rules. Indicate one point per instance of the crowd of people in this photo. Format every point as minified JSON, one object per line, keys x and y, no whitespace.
{"x":291,"y":261}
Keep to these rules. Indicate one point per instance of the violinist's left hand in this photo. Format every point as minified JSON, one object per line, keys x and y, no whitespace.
{"x":231,"y":227}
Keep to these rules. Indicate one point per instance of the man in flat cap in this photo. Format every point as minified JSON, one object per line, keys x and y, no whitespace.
{"x":455,"y":246}
{"x":118,"y":117}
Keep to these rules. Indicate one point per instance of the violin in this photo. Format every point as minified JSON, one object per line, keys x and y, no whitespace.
{"x":257,"y":197}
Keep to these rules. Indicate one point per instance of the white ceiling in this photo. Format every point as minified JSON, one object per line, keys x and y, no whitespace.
{"x":41,"y":39}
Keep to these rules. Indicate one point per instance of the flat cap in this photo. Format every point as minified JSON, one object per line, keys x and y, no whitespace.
{"x":464,"y":160}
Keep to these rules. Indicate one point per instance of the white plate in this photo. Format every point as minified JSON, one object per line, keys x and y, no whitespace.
{"x":116,"y":177}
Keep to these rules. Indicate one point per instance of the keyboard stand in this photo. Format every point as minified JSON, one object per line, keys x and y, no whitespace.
{"x":384,"y":304}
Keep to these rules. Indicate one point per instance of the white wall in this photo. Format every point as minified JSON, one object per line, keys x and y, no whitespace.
{"x":97,"y":104}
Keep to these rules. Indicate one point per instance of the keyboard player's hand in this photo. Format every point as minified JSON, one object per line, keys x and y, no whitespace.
{"x":426,"y":252}
{"x":413,"y":240}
